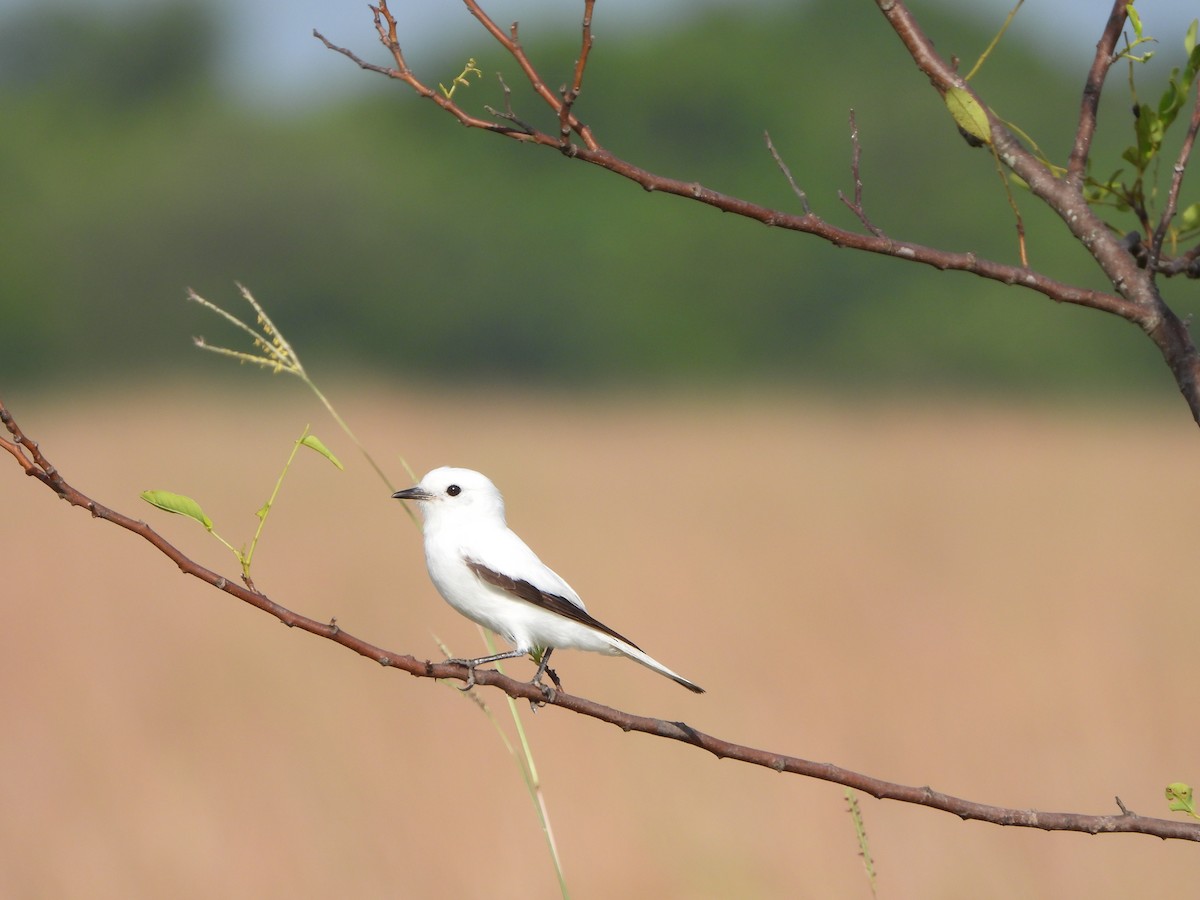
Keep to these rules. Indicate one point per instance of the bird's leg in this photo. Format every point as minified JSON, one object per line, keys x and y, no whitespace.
{"x":543,"y":668}
{"x":549,"y":671}
{"x":472,"y":663}
{"x":537,"y":677}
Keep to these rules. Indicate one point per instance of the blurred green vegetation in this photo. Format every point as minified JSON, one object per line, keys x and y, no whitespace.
{"x":382,"y":235}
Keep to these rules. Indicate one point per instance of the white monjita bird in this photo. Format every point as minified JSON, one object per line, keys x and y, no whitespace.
{"x":491,"y":576}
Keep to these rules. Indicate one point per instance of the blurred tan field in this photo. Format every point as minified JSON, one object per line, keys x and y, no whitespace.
{"x":994,"y":601}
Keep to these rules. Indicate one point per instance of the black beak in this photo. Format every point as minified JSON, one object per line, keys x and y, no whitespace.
{"x":412,"y":493}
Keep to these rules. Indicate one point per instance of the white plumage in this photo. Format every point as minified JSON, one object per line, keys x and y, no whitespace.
{"x":491,"y":576}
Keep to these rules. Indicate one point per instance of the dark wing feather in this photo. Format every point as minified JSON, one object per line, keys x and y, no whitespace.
{"x":535,"y":595}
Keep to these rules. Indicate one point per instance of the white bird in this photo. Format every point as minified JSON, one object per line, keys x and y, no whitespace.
{"x":491,"y":576}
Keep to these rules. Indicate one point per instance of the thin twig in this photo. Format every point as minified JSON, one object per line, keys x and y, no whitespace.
{"x":1187,"y":264}
{"x":787,"y":173}
{"x":1012,"y":204}
{"x":22,"y":460}
{"x":350,"y":55}
{"x":508,"y":113}
{"x":855,"y":161}
{"x":571,"y":94}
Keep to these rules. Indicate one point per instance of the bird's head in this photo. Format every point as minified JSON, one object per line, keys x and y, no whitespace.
{"x":448,"y":494}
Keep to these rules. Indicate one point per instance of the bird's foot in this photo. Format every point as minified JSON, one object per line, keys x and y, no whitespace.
{"x":470,"y":664}
{"x":548,"y":693}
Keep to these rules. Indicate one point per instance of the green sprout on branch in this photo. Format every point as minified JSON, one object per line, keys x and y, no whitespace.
{"x":186,"y":506}
{"x":1179,"y":799}
{"x":1139,"y":38}
{"x":1151,"y":124}
{"x":469,"y":69}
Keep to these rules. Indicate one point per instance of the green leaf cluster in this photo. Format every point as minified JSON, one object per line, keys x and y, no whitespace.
{"x":1136,"y":191}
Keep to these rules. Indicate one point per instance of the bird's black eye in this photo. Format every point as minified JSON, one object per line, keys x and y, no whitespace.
{"x":454,"y":490}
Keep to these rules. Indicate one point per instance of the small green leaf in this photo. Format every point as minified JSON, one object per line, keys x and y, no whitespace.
{"x":1149,"y":128}
{"x":968,"y":114}
{"x":1179,"y":799}
{"x":262,"y":513}
{"x":1134,"y":19}
{"x":312,"y":442}
{"x":179,"y":504}
{"x":1189,"y":39}
{"x":1190,"y":217}
{"x":1193,"y":65}
{"x":1173,"y":99}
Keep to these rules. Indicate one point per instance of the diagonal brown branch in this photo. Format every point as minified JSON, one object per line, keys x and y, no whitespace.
{"x":941,"y":73}
{"x":28,"y":454}
{"x":807,"y":223}
{"x":1105,"y":56}
{"x":1136,"y":298}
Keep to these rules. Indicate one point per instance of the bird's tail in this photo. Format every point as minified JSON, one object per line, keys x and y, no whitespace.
{"x":626,"y":649}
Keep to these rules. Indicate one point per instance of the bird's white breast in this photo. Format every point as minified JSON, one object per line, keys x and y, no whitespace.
{"x":522,"y":623}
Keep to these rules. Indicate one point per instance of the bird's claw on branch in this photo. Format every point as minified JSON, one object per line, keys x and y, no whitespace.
{"x":470,"y":672}
{"x":548,"y":694}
